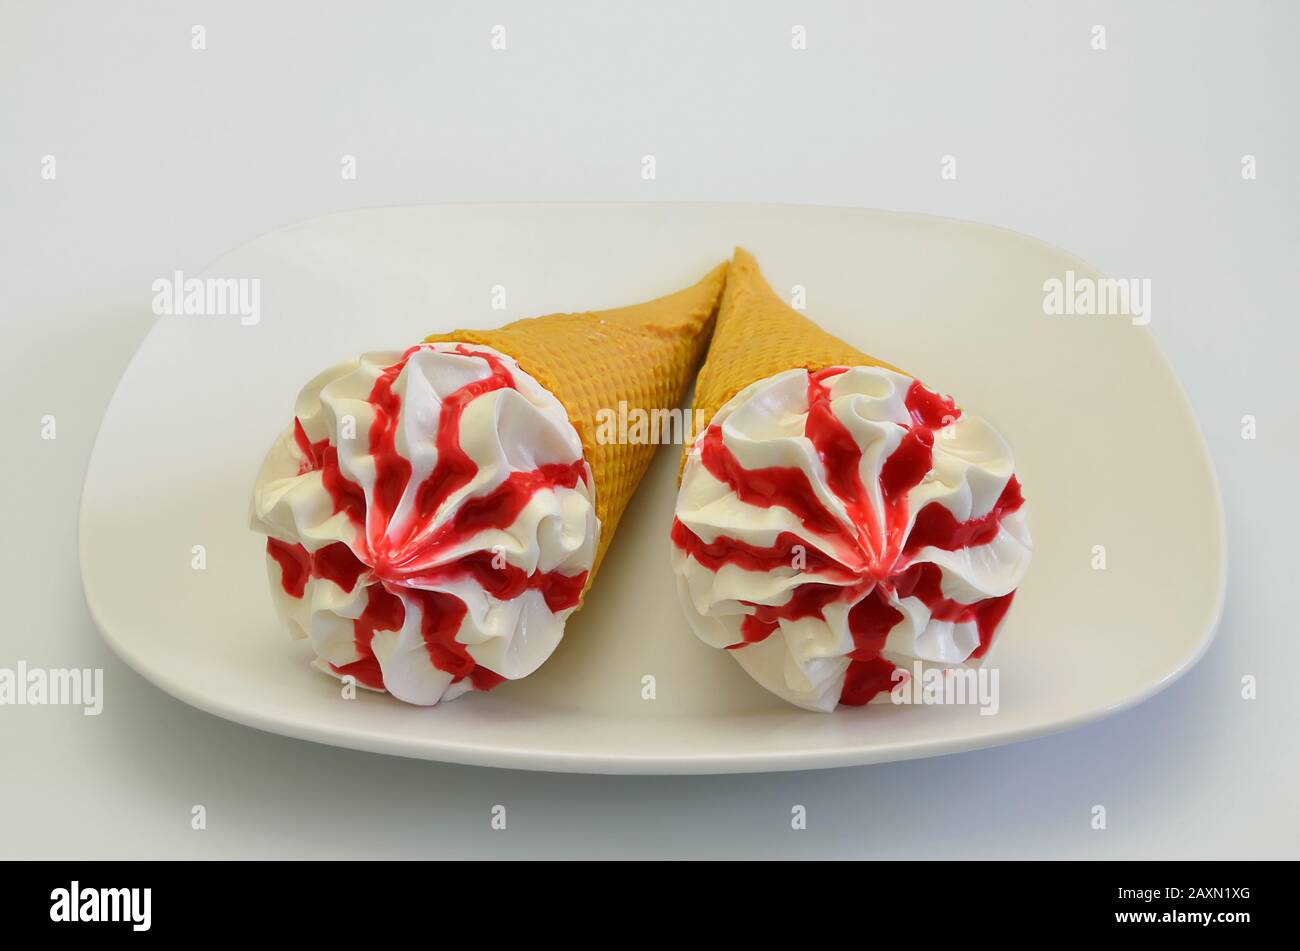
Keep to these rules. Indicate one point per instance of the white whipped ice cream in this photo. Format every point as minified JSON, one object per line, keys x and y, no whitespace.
{"x":832,"y":525}
{"x":431,"y":520}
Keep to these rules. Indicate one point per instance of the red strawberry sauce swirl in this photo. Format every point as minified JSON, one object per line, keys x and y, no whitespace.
{"x":867,"y":560}
{"x":399,"y":559}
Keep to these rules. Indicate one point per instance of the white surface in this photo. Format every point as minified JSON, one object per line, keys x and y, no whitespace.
{"x":167,"y":474}
{"x":1129,"y":157}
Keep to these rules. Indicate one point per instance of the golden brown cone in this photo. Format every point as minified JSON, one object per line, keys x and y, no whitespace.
{"x":758,"y":335}
{"x":643,"y":355}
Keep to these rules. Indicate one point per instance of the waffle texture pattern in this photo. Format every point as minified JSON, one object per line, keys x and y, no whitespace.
{"x":643,"y":355}
{"x":758,"y":335}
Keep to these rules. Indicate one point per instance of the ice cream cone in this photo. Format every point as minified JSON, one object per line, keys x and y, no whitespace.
{"x":643,"y":355}
{"x":759,"y":335}
{"x":837,"y":521}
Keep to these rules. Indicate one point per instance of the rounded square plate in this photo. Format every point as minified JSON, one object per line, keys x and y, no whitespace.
{"x":1106,"y":446}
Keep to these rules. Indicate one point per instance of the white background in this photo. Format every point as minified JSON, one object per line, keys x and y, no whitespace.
{"x":1129,"y":157}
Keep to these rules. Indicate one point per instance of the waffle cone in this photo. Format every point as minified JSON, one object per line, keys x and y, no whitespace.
{"x":643,"y":355}
{"x":758,"y":335}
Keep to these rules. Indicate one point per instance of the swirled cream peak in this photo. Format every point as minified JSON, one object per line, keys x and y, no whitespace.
{"x":430,"y":520}
{"x":832,"y":523}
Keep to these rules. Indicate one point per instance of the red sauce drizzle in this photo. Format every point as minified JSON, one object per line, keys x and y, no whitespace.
{"x":732,"y":551}
{"x":935,"y":526}
{"x":346,"y":495}
{"x":807,"y":600}
{"x":397,"y":558}
{"x":384,"y":612}
{"x":775,"y":485}
{"x":295,"y":565}
{"x":337,"y":563}
{"x":881,"y":556}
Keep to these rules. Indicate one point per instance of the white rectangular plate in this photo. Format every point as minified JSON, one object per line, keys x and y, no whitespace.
{"x":1106,"y":446}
